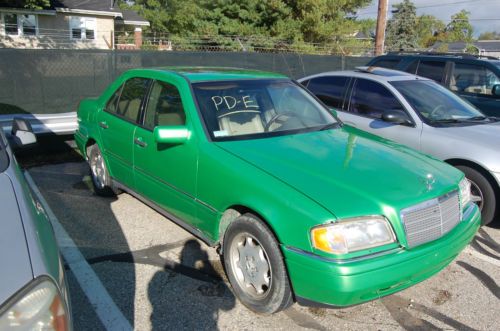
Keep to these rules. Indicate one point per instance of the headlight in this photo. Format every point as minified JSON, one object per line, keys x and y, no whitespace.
{"x":37,"y":307}
{"x":465,"y":195}
{"x":347,"y":236}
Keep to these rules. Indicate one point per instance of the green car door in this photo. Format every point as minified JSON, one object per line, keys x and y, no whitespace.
{"x":117,"y":123}
{"x":166,"y":173}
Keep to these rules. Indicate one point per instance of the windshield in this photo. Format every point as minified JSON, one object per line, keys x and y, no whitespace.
{"x":434,"y":102}
{"x":258,"y":108}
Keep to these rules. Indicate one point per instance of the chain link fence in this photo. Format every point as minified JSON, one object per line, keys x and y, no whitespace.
{"x":54,"y":81}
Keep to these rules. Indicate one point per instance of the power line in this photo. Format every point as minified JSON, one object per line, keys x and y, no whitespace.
{"x":433,"y":5}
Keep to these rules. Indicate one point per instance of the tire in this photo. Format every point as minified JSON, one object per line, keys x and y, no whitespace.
{"x":101,"y":181}
{"x":262,"y":284}
{"x":482,"y":188}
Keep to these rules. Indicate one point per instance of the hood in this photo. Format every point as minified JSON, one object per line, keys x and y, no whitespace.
{"x":14,"y":257}
{"x":476,"y":143}
{"x":349,"y":172}
{"x":484,"y":134}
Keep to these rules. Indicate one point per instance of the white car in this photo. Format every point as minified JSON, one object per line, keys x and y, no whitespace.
{"x":422,"y":114}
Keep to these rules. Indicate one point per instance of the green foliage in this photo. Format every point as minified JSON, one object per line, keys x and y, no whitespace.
{"x":459,"y":29}
{"x":406,"y":30}
{"x":490,"y":35}
{"x":429,"y":29}
{"x":28,"y":4}
{"x":254,"y":24}
{"x":401,"y":32}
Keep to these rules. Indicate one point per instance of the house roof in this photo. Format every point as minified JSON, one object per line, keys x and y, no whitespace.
{"x":132,"y":17}
{"x":486,"y":45}
{"x":88,"y":7}
{"x":92,"y":5}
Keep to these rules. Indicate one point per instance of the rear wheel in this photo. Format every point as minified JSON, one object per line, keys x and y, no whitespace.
{"x":99,"y":173}
{"x":255,"y":266}
{"x":483,"y":193}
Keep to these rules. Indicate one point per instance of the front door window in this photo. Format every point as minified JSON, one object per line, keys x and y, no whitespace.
{"x":164,"y":107}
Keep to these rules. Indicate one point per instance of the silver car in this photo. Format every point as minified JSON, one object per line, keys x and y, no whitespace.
{"x":33,"y":292}
{"x":422,"y":114}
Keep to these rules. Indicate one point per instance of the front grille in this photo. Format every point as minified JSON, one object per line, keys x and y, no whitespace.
{"x":431,"y":219}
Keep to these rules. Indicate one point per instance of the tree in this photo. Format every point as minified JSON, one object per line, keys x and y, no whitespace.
{"x":278,"y":22}
{"x":459,"y":29}
{"x":490,"y":35}
{"x":429,"y":29}
{"x":28,"y":4}
{"x":401,"y":32}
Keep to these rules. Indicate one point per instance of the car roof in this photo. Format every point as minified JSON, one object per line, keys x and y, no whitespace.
{"x":442,"y":56}
{"x":198,"y":74}
{"x":373,"y":72}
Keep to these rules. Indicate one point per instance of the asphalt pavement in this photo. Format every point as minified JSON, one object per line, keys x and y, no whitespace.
{"x":129,"y":267}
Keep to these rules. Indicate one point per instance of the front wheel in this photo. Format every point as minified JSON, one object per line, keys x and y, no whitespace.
{"x":99,"y":173}
{"x":482,"y":192}
{"x":255,"y":266}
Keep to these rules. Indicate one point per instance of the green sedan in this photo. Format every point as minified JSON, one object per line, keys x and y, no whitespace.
{"x":300,"y":207}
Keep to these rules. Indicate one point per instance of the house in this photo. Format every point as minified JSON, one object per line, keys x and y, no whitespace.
{"x":483,"y":47}
{"x":70,"y":24}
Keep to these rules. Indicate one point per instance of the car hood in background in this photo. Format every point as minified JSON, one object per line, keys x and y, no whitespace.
{"x":482,"y":134}
{"x":14,"y":256}
{"x":476,"y":143}
{"x":349,"y":172}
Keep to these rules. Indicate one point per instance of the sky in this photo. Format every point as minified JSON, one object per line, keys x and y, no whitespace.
{"x":484,"y":14}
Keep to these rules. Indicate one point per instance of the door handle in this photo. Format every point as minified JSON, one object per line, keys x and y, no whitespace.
{"x":103,"y":125}
{"x":138,"y":141}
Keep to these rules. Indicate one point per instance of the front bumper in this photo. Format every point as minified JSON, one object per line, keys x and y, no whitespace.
{"x":345,"y":283}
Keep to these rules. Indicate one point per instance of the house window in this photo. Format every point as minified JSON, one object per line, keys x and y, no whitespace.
{"x":20,"y":24}
{"x":82,"y":28}
{"x":27,"y":24}
{"x":10,"y":23}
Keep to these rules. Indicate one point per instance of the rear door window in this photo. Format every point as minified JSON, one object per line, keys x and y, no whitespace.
{"x":432,"y":69}
{"x":330,"y":90}
{"x":371,"y":99}
{"x":133,"y":92}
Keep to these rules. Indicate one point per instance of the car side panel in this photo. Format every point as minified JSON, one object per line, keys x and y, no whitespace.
{"x":166,"y":174}
{"x":15,"y":259}
{"x":224,"y":180}
{"x":117,"y":137}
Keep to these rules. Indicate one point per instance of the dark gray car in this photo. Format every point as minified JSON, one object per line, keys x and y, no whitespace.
{"x":474,"y":78}
{"x":33,"y":292}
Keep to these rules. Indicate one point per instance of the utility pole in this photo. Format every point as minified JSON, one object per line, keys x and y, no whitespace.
{"x":381,"y":23}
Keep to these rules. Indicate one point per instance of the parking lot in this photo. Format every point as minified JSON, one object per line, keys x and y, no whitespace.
{"x":129,"y":267}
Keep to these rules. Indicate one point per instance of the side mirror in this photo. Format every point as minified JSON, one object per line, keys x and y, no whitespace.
{"x":495,"y":90}
{"x":396,"y":117}
{"x":171,"y":134}
{"x":22,"y":133}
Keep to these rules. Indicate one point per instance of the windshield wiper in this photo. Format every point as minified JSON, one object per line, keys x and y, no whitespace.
{"x":447,"y":120}
{"x":474,"y":119}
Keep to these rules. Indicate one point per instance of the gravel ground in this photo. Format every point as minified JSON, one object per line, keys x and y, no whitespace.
{"x":162,"y":278}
